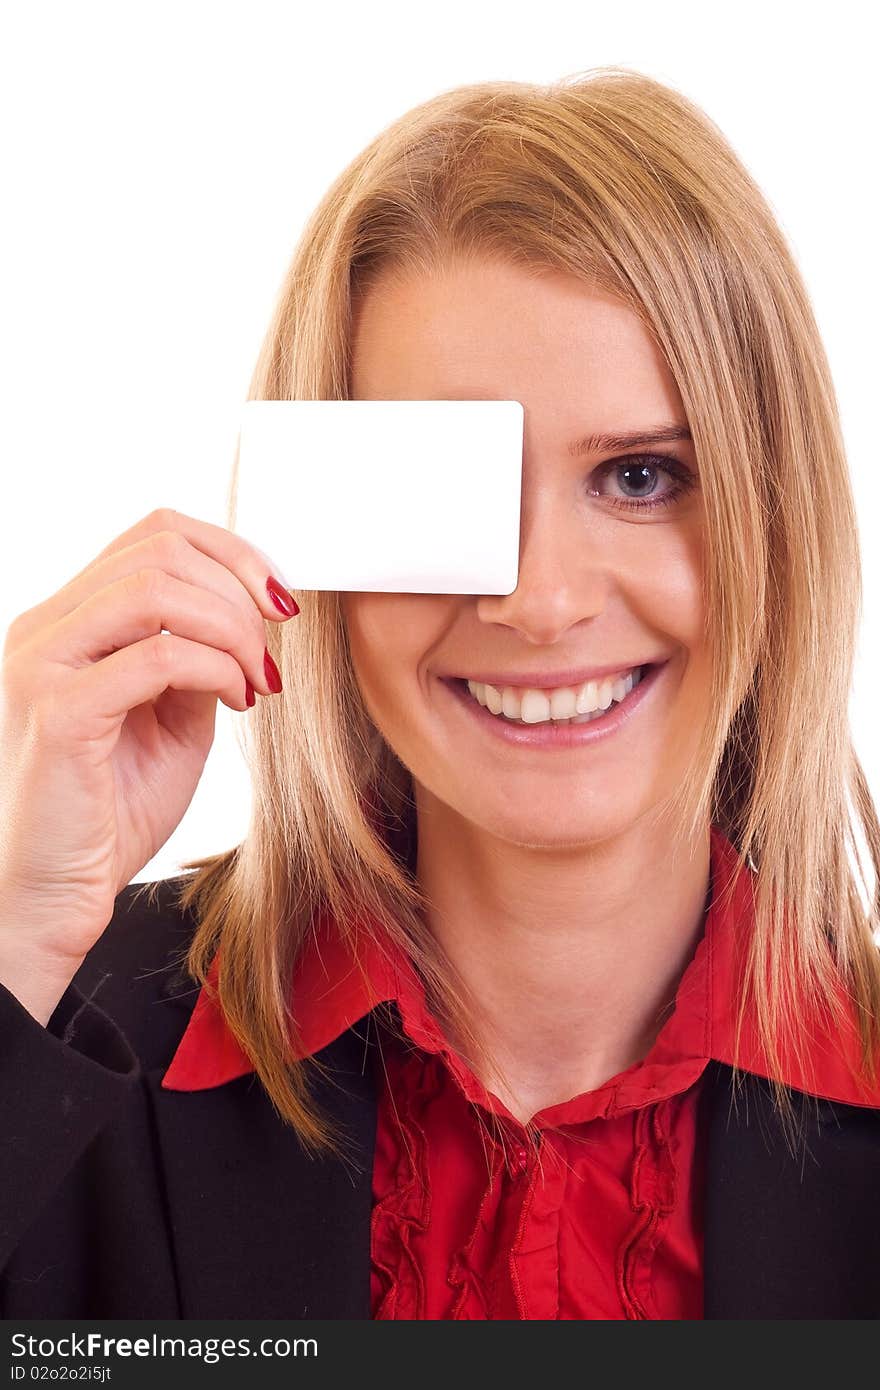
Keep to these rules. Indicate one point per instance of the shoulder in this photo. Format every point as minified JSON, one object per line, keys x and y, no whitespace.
{"x":135,"y":973}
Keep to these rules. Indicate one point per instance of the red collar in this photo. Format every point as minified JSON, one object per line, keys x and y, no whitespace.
{"x":331,"y":995}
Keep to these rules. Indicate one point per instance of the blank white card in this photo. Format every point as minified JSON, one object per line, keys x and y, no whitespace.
{"x":393,"y":496}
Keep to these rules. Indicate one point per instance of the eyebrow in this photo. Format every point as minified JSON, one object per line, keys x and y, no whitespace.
{"x":603,"y":443}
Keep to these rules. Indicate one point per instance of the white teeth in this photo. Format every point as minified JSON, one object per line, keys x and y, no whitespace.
{"x":565,"y":705}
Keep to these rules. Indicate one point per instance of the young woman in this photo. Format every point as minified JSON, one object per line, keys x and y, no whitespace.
{"x":540,"y":986}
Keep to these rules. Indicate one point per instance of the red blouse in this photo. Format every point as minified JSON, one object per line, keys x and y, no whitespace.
{"x":604,"y":1219}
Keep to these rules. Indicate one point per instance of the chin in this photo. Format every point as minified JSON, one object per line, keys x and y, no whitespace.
{"x":547,"y":832}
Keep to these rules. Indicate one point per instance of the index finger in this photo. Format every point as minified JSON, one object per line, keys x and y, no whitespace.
{"x":257,"y":572}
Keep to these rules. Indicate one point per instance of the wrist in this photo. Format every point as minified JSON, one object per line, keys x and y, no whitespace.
{"x":37,"y":979}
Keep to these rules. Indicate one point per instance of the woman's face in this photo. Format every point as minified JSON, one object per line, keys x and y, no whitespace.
{"x":600,"y":584}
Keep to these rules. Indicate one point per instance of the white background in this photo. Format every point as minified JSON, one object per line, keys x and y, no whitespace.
{"x":158,"y":163}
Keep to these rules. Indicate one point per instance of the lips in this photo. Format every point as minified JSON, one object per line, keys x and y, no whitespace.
{"x":571,"y":676}
{"x":546,"y":734}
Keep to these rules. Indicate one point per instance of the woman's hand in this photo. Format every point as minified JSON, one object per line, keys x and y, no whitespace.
{"x":106,"y":723}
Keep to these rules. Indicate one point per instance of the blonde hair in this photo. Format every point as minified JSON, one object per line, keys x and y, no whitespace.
{"x":619,"y":180}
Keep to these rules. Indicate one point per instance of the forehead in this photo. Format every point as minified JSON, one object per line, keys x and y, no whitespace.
{"x":484,"y":329}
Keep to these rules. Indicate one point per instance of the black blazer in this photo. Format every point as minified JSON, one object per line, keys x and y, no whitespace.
{"x":121,"y":1200}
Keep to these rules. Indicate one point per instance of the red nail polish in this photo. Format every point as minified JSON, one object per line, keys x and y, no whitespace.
{"x":283,"y":601}
{"x":249,"y":693}
{"x":273,"y":675}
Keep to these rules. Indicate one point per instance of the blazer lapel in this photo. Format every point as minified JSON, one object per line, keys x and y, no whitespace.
{"x":790,"y":1235}
{"x":260,"y":1229}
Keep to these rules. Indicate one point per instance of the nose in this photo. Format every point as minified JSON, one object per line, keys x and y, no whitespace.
{"x":563,"y":574}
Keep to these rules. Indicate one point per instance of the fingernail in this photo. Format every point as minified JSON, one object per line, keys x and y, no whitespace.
{"x":249,"y":693}
{"x":283,"y":601}
{"x":273,"y":675}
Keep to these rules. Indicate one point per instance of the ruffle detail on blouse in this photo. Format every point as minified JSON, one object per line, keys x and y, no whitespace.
{"x":508,"y":1253}
{"x":405,"y":1210}
{"x":652,"y":1197}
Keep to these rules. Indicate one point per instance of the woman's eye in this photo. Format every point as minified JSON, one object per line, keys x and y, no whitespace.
{"x":639,"y":479}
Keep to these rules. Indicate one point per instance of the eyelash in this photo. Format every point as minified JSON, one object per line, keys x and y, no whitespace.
{"x":685,"y":481}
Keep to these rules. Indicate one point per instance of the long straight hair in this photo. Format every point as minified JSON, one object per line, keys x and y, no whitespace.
{"x":621,"y":181}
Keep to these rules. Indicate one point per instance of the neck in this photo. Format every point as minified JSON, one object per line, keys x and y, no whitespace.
{"x":574,"y":956}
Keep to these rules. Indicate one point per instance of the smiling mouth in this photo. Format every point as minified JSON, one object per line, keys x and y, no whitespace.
{"x":633,"y":680}
{"x":560,"y":733}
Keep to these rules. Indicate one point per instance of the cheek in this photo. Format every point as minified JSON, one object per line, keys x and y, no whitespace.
{"x":369,"y":623}
{"x":391,"y":637}
{"x":676,"y":589}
